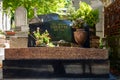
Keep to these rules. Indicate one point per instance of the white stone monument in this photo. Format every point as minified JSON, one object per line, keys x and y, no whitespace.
{"x":21,"y":19}
{"x":21,"y":37}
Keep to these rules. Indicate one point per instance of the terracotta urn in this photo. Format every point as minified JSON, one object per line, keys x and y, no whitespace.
{"x":80,"y":36}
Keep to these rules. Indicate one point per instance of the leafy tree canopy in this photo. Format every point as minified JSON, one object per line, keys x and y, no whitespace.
{"x":42,"y":6}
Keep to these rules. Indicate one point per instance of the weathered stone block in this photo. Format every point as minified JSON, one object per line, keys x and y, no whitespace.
{"x":18,"y":42}
{"x":55,"y":53}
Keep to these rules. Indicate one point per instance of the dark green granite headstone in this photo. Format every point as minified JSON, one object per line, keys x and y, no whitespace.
{"x":60,"y":30}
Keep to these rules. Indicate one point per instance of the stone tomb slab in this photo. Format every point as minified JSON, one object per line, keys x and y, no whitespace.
{"x":28,"y":62}
{"x":73,"y":53}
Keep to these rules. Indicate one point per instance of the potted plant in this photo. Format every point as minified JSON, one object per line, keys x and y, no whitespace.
{"x":79,"y":33}
{"x":85,"y":14}
{"x":91,"y":19}
{"x":41,"y":39}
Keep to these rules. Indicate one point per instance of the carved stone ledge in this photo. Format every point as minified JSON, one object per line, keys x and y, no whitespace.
{"x":55,"y":53}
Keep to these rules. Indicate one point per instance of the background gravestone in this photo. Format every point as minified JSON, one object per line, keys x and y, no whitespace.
{"x":21,"y":30}
{"x":21,"y":19}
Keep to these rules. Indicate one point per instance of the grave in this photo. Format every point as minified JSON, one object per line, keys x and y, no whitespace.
{"x":21,"y":30}
{"x":27,"y":62}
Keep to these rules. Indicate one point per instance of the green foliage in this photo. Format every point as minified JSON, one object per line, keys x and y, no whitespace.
{"x":85,"y":12}
{"x":42,"y":39}
{"x":101,"y":43}
{"x":71,"y":13}
{"x":1,"y":32}
{"x":93,"y":17}
{"x":78,"y":23}
{"x":84,"y":9}
{"x":42,"y":6}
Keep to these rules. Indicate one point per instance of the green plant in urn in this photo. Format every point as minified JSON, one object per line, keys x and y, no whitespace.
{"x":42,"y":39}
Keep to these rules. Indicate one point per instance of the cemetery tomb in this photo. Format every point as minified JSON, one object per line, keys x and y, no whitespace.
{"x":21,"y":30}
{"x":29,"y":62}
{"x":25,"y":62}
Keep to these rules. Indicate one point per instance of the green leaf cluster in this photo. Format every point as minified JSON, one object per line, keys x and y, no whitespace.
{"x":84,"y":9}
{"x":92,"y":18}
{"x":42,"y":39}
{"x":1,"y":32}
{"x":85,"y":12}
{"x":42,"y":6}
